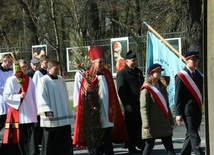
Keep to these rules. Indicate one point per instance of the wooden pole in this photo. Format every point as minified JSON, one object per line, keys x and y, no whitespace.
{"x":209,"y":69}
{"x":165,"y":42}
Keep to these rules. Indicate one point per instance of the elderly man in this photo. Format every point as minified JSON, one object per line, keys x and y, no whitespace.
{"x":98,"y":97}
{"x":34,"y":63}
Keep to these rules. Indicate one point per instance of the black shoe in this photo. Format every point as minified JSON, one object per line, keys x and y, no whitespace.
{"x":141,"y":145}
{"x":134,"y":150}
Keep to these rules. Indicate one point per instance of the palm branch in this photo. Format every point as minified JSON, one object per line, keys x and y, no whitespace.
{"x":92,"y":113}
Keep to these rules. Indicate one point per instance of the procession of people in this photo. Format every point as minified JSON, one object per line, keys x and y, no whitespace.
{"x":35,"y":108}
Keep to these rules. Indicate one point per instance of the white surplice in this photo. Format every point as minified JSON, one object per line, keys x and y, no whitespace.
{"x":52,"y":96}
{"x":77,"y":84}
{"x":3,"y":77}
{"x":104,"y":100}
{"x":27,"y":110}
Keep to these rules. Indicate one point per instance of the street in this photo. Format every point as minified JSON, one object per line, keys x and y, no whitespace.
{"x":178,"y":137}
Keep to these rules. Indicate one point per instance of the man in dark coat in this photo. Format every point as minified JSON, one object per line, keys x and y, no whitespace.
{"x":188,"y":102}
{"x":129,"y":81}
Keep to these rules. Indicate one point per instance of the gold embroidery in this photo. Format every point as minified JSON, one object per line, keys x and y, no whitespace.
{"x":15,"y":125}
{"x":7,"y":125}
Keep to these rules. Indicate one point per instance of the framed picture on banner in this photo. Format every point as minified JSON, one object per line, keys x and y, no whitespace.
{"x":119,"y":48}
{"x":176,"y":43}
{"x":38,"y":50}
{"x":78,"y":52}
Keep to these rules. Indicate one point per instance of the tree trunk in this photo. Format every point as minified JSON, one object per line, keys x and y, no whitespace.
{"x":192,"y":13}
{"x":31,"y":20}
{"x":94,"y":19}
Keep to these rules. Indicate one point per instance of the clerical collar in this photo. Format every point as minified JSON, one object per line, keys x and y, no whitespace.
{"x":43,"y":71}
{"x":52,"y":76}
{"x":4,"y":69}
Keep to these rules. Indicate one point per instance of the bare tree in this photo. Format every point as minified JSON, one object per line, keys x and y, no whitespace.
{"x":61,"y":23}
{"x":30,"y":16}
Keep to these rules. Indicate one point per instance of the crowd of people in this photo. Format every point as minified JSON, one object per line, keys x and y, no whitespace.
{"x":35,"y":108}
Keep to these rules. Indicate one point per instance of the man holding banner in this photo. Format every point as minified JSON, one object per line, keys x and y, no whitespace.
{"x":188,"y":102}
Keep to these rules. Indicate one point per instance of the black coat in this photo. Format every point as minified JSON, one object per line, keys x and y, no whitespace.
{"x":129,"y":82}
{"x":30,"y":73}
{"x":185,"y":103}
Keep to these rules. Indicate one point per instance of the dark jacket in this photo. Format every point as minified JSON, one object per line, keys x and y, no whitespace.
{"x":129,"y":82}
{"x":30,"y":73}
{"x":185,"y":103}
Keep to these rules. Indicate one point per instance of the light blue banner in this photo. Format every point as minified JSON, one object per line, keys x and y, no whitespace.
{"x":158,"y":52}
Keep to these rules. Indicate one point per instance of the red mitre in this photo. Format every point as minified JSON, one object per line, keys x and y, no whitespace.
{"x":117,"y":46}
{"x":96,"y":52}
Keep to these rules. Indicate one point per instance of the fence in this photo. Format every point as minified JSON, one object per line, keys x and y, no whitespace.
{"x":26,"y":52}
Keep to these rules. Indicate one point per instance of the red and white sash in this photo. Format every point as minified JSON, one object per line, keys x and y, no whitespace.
{"x":188,"y":81}
{"x":12,"y":120}
{"x":158,"y":98}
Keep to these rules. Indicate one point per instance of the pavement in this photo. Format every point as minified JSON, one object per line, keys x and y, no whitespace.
{"x":178,"y":138}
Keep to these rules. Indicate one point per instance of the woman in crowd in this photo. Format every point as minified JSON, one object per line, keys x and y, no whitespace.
{"x":156,"y":115}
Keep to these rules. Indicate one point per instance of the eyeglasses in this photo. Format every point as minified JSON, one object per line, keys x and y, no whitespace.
{"x":9,"y":61}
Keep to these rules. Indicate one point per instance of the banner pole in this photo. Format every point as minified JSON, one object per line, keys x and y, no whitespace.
{"x":165,"y":42}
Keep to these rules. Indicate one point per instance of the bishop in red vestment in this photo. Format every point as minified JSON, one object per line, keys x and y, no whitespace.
{"x":112,"y":122}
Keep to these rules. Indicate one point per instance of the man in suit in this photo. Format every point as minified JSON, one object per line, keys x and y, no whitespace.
{"x":188,"y":102}
{"x":129,"y":81}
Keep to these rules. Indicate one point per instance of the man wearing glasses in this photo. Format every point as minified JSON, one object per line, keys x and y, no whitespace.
{"x":19,"y":93}
{"x":5,"y":72}
{"x":129,"y":81}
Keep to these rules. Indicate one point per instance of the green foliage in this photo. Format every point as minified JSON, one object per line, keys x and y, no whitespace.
{"x":75,"y":23}
{"x":72,"y":107}
{"x":92,"y":120}
{"x":81,"y":59}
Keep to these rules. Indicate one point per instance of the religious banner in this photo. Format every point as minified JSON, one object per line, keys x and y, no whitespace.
{"x":158,"y":52}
